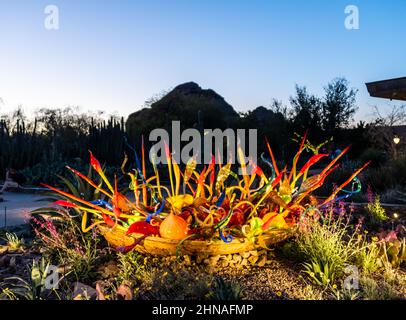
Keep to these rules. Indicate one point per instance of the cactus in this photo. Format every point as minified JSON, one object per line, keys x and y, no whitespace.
{"x":394,"y":252}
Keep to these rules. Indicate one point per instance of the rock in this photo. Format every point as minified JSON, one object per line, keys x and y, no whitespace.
{"x":5,"y":261}
{"x":3,"y":249}
{"x":262,"y":261}
{"x":200,"y":258}
{"x":62,"y":269}
{"x":237,"y":258}
{"x":100,"y":293}
{"x":108,"y":270}
{"x":253,"y":260}
{"x":124,"y":292}
{"x":16,"y":261}
{"x":262,"y":253}
{"x":224,"y":264}
{"x":84,"y":291}
{"x":245,"y":255}
{"x":214,"y":259}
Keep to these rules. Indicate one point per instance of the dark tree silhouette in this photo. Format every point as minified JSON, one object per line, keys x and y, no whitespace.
{"x":338,"y":106}
{"x":306,"y":110}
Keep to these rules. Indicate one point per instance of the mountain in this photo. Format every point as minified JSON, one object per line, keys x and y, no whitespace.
{"x":189,"y":104}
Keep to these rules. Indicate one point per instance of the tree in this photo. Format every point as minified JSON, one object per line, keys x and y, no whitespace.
{"x":306,"y":110}
{"x":338,"y":105}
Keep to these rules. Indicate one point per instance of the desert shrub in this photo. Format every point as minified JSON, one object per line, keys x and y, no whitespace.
{"x":394,"y":251}
{"x":132,"y":266}
{"x":343,"y":293}
{"x":389,"y":176}
{"x":320,"y":273}
{"x":13,"y":241}
{"x":67,"y":245}
{"x":50,"y":172}
{"x":394,"y":195}
{"x":327,"y":246}
{"x":311,"y":292}
{"x":289,"y":250}
{"x":368,"y":258}
{"x":376,"y":156}
{"x":376,"y":212}
{"x":47,"y":172}
{"x":373,"y":289}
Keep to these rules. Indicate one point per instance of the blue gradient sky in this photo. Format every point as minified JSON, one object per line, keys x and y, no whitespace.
{"x":113,"y":55}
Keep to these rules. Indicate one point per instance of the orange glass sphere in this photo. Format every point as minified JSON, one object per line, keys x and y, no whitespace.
{"x":173,"y":227}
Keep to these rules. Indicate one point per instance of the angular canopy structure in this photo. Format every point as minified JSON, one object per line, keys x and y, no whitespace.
{"x":393,"y":89}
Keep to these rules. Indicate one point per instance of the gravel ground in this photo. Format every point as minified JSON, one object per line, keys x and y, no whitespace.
{"x":277,"y":280}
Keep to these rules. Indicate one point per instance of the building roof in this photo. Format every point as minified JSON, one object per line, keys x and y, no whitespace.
{"x":388,"y":89}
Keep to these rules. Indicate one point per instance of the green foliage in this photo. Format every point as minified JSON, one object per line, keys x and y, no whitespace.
{"x":389,"y":176}
{"x":320,"y":274}
{"x":376,"y":156}
{"x":327,"y":245}
{"x":306,"y":109}
{"x":373,"y":289}
{"x":54,"y":137}
{"x":394,"y":252}
{"x":226,"y":290}
{"x":34,"y":288}
{"x":83,"y":260}
{"x":7,"y":294}
{"x":132,"y":266}
{"x":65,"y":242}
{"x":13,"y":241}
{"x":48,"y":172}
{"x":339,"y":105}
{"x":344,"y":293}
{"x":289,"y":250}
{"x":80,"y":188}
{"x":368,"y":258}
{"x":376,"y":212}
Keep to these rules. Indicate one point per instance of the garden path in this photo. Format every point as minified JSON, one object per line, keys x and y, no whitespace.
{"x":16,"y":206}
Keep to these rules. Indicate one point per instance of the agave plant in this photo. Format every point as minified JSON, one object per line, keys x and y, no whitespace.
{"x":13,"y":241}
{"x":35,"y":287}
{"x":77,"y":188}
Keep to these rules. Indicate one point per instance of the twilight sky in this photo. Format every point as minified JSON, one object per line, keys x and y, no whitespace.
{"x":112,"y":55}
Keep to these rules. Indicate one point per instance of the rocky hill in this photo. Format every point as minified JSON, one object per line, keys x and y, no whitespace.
{"x":188,"y":103}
